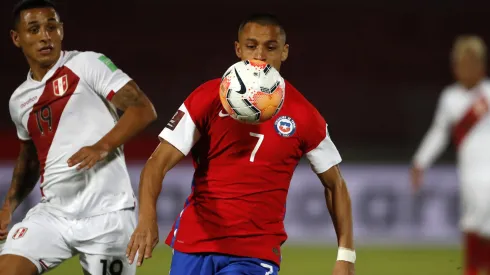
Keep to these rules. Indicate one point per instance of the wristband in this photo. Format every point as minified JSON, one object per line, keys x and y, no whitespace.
{"x":345,"y":254}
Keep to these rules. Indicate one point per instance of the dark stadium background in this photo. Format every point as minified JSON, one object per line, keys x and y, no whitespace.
{"x":374,"y":69}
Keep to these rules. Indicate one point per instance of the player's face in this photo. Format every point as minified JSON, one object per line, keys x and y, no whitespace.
{"x":262,"y":42}
{"x":39,"y":34}
{"x":468,"y":69}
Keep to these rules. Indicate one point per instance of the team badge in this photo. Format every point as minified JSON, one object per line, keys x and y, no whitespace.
{"x":285,"y":126}
{"x":21,"y":232}
{"x":60,"y":85}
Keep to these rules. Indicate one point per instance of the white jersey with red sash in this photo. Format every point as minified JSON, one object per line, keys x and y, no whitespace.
{"x":463,"y":116}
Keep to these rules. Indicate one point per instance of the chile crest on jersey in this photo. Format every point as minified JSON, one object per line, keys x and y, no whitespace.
{"x":285,"y":126}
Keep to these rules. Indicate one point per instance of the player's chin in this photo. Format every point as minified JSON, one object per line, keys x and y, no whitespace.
{"x":46,"y":60}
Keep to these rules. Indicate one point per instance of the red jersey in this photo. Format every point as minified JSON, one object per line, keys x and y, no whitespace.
{"x":242,"y":172}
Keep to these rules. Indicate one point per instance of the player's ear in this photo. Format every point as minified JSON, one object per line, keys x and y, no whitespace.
{"x":238,"y":50}
{"x":285,"y":53}
{"x":62,"y":31}
{"x":15,"y":38}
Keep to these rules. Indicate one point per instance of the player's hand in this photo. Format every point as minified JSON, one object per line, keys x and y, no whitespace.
{"x":343,"y":268}
{"x":143,"y":241}
{"x":88,"y":156}
{"x":416,"y":176}
{"x":5,"y":219}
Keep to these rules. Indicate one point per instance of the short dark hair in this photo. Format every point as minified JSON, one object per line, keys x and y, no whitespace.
{"x":30,"y":4}
{"x":262,"y":19}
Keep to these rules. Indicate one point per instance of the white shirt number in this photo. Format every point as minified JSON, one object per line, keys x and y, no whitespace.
{"x":259,"y":142}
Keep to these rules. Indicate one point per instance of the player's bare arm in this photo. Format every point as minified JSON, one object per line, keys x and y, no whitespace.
{"x":25,"y":177}
{"x":138,"y":114}
{"x":339,"y":206}
{"x":145,"y":237}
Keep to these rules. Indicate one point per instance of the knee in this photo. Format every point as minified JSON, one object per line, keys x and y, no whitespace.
{"x":16,"y":265}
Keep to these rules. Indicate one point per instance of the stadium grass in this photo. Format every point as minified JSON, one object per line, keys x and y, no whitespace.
{"x":311,"y":260}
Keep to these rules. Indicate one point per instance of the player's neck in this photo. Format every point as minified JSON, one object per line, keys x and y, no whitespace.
{"x":472,"y":85}
{"x":38,"y":71}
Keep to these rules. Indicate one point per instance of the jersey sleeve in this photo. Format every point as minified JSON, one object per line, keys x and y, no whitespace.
{"x":437,"y":137}
{"x":22,"y":132}
{"x":102,"y":75}
{"x":319,"y":148}
{"x":190,"y":120}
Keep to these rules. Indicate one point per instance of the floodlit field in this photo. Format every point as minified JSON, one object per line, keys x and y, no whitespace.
{"x":303,"y":260}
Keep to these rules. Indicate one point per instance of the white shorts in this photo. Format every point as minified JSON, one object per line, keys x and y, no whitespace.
{"x":47,"y":240}
{"x":475,"y":208}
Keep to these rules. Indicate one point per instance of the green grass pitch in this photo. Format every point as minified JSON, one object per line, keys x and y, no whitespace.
{"x":311,"y":260}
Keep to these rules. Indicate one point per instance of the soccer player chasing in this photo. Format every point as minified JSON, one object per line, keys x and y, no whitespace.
{"x":71,"y":137}
{"x":232,"y":223}
{"x":462,"y":114}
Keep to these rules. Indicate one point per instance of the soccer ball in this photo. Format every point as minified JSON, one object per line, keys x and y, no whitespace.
{"x":252,"y":91}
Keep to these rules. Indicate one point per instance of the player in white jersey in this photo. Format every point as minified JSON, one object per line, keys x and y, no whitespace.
{"x":71,"y":138}
{"x":462,"y":115}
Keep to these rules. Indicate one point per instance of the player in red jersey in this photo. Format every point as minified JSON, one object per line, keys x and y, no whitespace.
{"x":232,"y":223}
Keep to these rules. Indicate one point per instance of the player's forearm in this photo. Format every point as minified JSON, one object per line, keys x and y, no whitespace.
{"x":134,"y":120}
{"x":339,"y":206}
{"x":25,"y":177}
{"x":431,"y":147}
{"x":150,"y":187}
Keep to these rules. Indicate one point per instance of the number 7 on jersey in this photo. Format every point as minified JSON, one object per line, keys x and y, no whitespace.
{"x":257,"y":146}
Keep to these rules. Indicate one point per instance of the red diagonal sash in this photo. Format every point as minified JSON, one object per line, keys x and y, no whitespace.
{"x":477,"y":110}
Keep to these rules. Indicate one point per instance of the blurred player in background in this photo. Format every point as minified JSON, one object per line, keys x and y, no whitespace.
{"x":232,"y":223}
{"x":462,"y":114}
{"x":71,"y":138}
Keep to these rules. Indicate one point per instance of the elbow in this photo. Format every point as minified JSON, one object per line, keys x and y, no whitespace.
{"x":338,"y":187}
{"x":147,"y":114}
{"x":152,"y":170}
{"x":152,"y":115}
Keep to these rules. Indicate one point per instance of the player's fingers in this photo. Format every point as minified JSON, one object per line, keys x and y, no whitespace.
{"x":130,"y":246}
{"x":133,"y":250}
{"x":92,"y":163}
{"x":141,"y":253}
{"x":76,"y":158}
{"x":155,"y":242}
{"x":149,"y":246}
{"x":148,"y":251}
{"x":85,"y":162}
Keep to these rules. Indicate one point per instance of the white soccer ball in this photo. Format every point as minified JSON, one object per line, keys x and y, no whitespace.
{"x":252,"y":91}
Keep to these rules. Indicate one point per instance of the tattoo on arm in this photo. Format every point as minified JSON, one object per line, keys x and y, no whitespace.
{"x":129,"y":95}
{"x":25,"y":176}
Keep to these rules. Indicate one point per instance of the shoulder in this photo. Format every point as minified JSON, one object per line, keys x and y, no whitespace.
{"x":450,"y":93}
{"x":204,"y":100}
{"x":82,"y":59}
{"x":20,"y":90}
{"x":205,"y":93}
{"x":81,"y":56}
{"x":208,"y":89}
{"x":451,"y":89}
{"x":17,"y":96}
{"x":486,"y":85}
